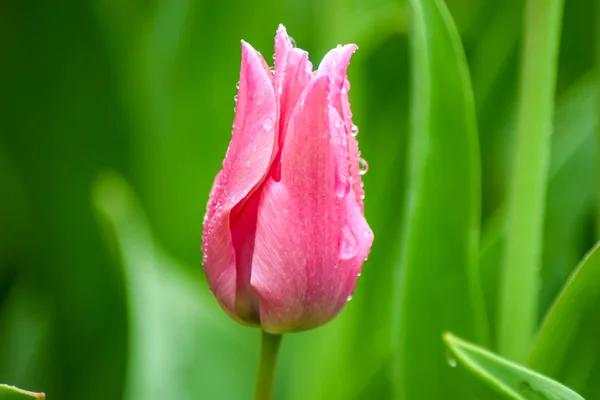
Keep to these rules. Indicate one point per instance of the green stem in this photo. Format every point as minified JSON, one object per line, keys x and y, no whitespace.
{"x":527,"y":188}
{"x":269,"y":347}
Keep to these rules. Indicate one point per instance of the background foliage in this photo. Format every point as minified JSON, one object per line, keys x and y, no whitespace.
{"x":115,"y":116}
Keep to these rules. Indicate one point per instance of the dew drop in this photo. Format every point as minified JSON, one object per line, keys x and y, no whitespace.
{"x":267,"y":123}
{"x":348,"y":244}
{"x":451,"y":362}
{"x":363,"y":166}
{"x":235,"y":98}
{"x":293,"y":42}
{"x":354,"y":131}
{"x":349,"y":298}
{"x":237,"y":85}
{"x":342,"y":186}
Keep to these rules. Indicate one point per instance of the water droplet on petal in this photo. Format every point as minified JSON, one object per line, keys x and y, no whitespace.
{"x":293,"y":42}
{"x":342,"y":186}
{"x":349,"y":298}
{"x":348,"y":245}
{"x":267,"y":123}
{"x":354,"y":131}
{"x":235,"y":98}
{"x":237,"y":85}
{"x":363,"y":166}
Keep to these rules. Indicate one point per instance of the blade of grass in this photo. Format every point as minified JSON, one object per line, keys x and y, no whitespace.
{"x":437,"y":287}
{"x":496,"y":378}
{"x":527,"y":189}
{"x":567,"y":346}
{"x":12,"y":393}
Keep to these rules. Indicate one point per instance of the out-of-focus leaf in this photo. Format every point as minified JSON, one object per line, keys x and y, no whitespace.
{"x":182,"y":345}
{"x":494,"y":377}
{"x":567,"y":347}
{"x":527,"y":186}
{"x":570,"y":188}
{"x":438,"y":282}
{"x":12,"y":393}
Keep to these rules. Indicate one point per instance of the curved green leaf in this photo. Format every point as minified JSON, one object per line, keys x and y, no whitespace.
{"x":181,"y":343}
{"x":567,"y":347}
{"x":496,"y":377}
{"x":12,"y":393}
{"x":438,"y":285}
{"x":569,"y":193}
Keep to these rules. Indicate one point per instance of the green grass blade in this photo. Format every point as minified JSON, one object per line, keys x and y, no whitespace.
{"x":437,"y":286}
{"x":527,"y":188}
{"x":569,"y":194}
{"x":496,"y":378}
{"x":567,"y":347}
{"x":182,"y":345}
{"x":12,"y":393}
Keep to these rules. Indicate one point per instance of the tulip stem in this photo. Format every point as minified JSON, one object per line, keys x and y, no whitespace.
{"x":269,"y":347}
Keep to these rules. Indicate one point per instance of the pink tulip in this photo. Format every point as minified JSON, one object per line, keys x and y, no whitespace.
{"x":285,"y":235}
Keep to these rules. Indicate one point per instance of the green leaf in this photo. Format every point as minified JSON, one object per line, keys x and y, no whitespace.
{"x":12,"y":393}
{"x":569,"y":194}
{"x":527,"y":190}
{"x":567,"y":347}
{"x":495,"y":377}
{"x":437,"y":287}
{"x":182,"y":345}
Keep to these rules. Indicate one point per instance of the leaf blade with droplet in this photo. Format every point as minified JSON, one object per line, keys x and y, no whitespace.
{"x":8,"y":392}
{"x":495,"y":377}
{"x":567,"y":346}
{"x":437,"y":287}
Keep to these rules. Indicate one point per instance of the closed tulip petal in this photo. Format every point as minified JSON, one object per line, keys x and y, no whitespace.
{"x":298,"y":220}
{"x":285,"y":236}
{"x":335,"y":64}
{"x":292,"y":74}
{"x":250,"y":153}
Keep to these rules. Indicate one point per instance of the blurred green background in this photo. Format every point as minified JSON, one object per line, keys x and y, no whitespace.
{"x":115,"y":116}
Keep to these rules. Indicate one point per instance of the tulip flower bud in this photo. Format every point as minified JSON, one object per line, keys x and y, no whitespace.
{"x":285,"y":235}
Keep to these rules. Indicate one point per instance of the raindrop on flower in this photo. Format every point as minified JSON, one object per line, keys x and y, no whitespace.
{"x":267,"y":123}
{"x":363,"y":166}
{"x":349,"y":298}
{"x":354,"y":131}
{"x":237,"y":85}
{"x":235,"y":98}
{"x":348,"y":245}
{"x":342,"y":186}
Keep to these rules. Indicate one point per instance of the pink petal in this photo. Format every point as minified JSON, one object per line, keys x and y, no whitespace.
{"x":295,"y":266}
{"x":335,"y":64}
{"x":252,"y":147}
{"x":355,"y":245}
{"x":292,"y":75}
